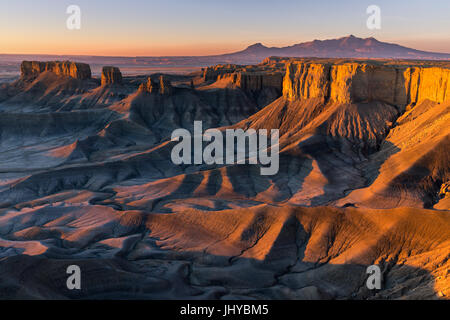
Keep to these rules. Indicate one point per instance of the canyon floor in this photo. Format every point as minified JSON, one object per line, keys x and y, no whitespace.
{"x":86,"y":179}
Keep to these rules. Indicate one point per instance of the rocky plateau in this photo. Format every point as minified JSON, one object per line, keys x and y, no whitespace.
{"x":86,"y":178}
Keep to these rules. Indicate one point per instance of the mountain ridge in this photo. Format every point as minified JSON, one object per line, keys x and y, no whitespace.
{"x":344,"y":47}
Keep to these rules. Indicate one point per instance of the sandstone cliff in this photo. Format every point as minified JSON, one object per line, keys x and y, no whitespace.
{"x":31,"y":69}
{"x":249,"y":78}
{"x":212,"y":73}
{"x":111,"y":75}
{"x":364,"y":82}
{"x":254,"y":81}
{"x":160,"y":85}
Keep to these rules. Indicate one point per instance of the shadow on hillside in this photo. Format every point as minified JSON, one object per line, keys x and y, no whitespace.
{"x":158,"y":273}
{"x":343,"y":172}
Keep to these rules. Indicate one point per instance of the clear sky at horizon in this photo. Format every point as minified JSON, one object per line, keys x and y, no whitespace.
{"x":202,"y":27}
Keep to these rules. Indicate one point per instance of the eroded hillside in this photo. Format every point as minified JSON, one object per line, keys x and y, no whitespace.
{"x":87,"y":178}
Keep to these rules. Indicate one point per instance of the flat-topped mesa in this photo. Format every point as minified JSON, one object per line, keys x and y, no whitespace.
{"x":255,"y":81}
{"x":111,"y":75}
{"x":161,"y":85}
{"x":250,"y":78}
{"x":349,"y":82}
{"x":212,"y":73}
{"x":31,"y":69}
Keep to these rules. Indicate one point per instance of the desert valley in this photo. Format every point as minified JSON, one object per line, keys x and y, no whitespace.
{"x":364,"y":178}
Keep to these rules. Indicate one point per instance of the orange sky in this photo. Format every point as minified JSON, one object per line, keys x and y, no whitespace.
{"x":199,"y":27}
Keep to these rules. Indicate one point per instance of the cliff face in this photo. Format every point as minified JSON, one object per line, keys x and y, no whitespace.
{"x":212,"y":73}
{"x":356,"y":82}
{"x":249,"y":78}
{"x":30,"y":69}
{"x":255,"y":81}
{"x":304,"y":81}
{"x":258,"y":81}
{"x":111,"y":75}
{"x":160,"y":85}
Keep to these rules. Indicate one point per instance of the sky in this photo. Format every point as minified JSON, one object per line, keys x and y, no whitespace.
{"x":204,"y":27}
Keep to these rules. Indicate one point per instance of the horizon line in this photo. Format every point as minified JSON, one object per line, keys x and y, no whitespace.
{"x":219,"y":54}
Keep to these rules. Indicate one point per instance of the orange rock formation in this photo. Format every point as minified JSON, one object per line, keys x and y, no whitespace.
{"x":66,"y":68}
{"x":111,"y":75}
{"x":358,"y":82}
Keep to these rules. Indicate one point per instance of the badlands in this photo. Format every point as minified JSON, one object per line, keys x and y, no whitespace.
{"x":86,"y":179}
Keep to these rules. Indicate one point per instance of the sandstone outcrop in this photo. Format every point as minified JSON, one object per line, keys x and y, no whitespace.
{"x":445,"y":190}
{"x":304,"y":81}
{"x":160,"y":85}
{"x":212,"y":73}
{"x":111,"y":75}
{"x":250,"y":78}
{"x":363,"y":82}
{"x":254,"y":81}
{"x":31,"y":69}
{"x":397,"y":83}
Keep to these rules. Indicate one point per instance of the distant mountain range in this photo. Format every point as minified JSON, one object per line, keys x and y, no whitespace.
{"x":346,"y":47}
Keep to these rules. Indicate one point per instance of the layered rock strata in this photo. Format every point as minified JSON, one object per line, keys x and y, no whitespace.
{"x":364,"y":82}
{"x":30,"y":69}
{"x":249,"y":78}
{"x":111,"y":75}
{"x":160,"y":85}
{"x":254,"y":81}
